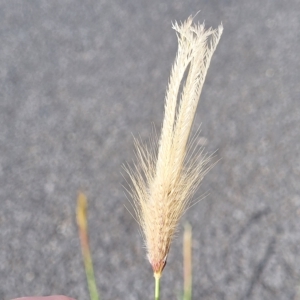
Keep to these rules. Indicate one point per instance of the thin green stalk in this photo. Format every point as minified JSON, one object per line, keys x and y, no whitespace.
{"x":89,"y":271}
{"x":83,"y":234}
{"x":157,"y":286}
{"x":187,"y":262}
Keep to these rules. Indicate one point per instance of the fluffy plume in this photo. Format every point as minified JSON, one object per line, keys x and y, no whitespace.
{"x":168,"y":172}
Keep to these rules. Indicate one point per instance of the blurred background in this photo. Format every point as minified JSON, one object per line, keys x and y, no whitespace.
{"x":79,"y":78}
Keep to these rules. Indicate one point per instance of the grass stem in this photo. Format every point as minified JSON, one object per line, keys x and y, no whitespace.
{"x":83,"y":234}
{"x":187,"y":262}
{"x":157,"y":286}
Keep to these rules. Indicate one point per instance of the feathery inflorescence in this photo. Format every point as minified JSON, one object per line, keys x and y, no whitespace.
{"x":167,"y":173}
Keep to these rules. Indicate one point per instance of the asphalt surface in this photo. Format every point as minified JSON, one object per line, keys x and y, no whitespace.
{"x":78,"y":78}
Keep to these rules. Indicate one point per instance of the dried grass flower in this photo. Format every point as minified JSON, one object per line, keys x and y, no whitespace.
{"x":168,"y":171}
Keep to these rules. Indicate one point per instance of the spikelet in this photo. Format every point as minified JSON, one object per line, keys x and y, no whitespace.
{"x":167,"y":173}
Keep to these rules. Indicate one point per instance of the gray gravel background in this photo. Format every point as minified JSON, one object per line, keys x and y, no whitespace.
{"x":78,"y":77}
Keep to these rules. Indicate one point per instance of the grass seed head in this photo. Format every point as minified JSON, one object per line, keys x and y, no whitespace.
{"x":168,"y":172}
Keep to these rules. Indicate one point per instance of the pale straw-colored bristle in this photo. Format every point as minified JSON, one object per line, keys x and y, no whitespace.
{"x":167,"y":173}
